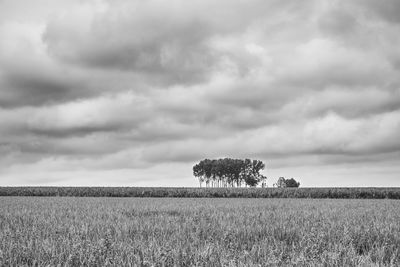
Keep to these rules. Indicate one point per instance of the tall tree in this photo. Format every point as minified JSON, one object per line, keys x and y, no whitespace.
{"x":198,"y":172}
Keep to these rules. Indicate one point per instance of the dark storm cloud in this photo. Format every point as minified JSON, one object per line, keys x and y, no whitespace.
{"x":101,"y":85}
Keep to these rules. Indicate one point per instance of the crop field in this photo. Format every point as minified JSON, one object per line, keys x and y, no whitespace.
{"x":216,"y":192}
{"x":67,"y":231}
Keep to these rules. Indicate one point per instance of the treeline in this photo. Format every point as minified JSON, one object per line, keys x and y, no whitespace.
{"x":346,"y":193}
{"x":229,"y":172}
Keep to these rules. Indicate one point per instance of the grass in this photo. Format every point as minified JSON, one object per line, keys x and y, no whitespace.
{"x":198,"y":232}
{"x":361,"y":193}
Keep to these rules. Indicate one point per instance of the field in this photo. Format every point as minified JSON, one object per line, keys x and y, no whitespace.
{"x":37,"y":231}
{"x":222,"y":192}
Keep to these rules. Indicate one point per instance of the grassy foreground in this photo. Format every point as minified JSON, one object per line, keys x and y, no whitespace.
{"x":198,"y":232}
{"x":362,"y":193}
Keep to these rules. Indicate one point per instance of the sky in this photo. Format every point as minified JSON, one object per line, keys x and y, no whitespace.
{"x":134,"y":93}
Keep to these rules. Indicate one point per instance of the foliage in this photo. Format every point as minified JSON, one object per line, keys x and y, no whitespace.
{"x":198,"y":232}
{"x":292,"y":183}
{"x":229,"y":172}
{"x":326,"y":192}
{"x":283,"y":183}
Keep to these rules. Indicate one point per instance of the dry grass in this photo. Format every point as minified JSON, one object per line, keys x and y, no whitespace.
{"x":201,"y":232}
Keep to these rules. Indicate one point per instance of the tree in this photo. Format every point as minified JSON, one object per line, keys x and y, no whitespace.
{"x":251,"y":180}
{"x":246,"y":171}
{"x":258,"y":165}
{"x":229,"y":172}
{"x":292,"y":183}
{"x":198,"y":172}
{"x":281,"y":183}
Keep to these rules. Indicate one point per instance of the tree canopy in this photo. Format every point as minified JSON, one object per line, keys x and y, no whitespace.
{"x":282,"y":182}
{"x":229,"y":172}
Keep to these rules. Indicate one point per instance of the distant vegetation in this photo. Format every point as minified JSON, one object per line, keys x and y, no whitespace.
{"x":282,"y":183}
{"x":198,"y":232}
{"x":229,"y":172}
{"x":378,"y":193}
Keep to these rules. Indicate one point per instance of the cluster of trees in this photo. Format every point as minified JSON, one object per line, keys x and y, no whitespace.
{"x":229,"y":172}
{"x":282,"y":182}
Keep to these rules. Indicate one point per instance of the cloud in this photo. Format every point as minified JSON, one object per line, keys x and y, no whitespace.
{"x":387,"y":10}
{"x":345,"y":102}
{"x":100,"y":87}
{"x":28,"y":76}
{"x":337,"y":22}
{"x":104,"y":113}
{"x":172,"y":41}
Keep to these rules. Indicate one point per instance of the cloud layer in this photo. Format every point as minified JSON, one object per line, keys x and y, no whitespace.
{"x":135,"y":92}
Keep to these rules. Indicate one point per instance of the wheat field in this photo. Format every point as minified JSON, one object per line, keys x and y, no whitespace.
{"x":67,"y":231}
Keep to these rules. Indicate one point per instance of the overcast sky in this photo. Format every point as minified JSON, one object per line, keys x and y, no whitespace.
{"x":133,"y":93}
